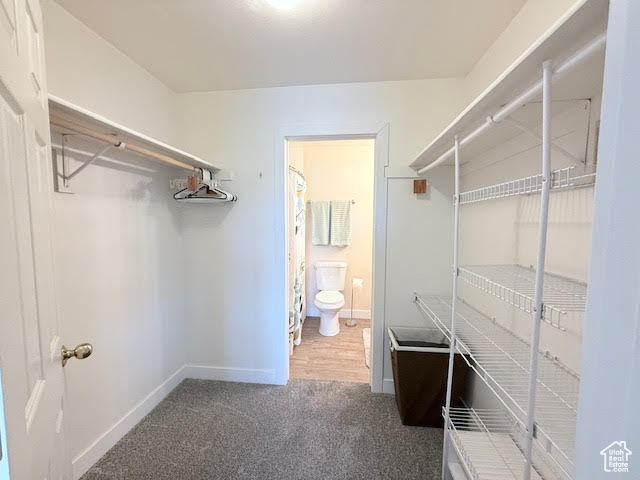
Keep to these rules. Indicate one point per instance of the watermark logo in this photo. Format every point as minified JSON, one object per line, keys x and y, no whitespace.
{"x":616,"y":457}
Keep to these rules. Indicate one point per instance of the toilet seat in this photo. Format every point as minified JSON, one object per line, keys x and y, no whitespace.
{"x":329,"y":297}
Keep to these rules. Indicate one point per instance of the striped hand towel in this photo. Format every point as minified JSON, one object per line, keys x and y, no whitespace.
{"x":320,"y":223}
{"x":341,"y":223}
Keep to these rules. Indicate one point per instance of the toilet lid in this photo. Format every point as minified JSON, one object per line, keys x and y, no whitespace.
{"x":329,"y":296}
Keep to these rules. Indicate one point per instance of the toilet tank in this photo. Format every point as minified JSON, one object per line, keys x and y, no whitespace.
{"x":330,"y":275}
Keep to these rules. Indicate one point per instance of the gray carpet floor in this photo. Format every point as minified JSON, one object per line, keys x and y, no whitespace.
{"x":305,"y":430}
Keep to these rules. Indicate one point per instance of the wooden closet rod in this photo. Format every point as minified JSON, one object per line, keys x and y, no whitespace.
{"x":115,"y":141}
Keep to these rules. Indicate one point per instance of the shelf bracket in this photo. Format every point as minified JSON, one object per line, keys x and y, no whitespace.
{"x":533,"y":134}
{"x":85,"y":164}
{"x":542,"y":313}
{"x":61,"y":165}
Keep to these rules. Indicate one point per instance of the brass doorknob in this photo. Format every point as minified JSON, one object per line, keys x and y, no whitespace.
{"x":81,"y":351}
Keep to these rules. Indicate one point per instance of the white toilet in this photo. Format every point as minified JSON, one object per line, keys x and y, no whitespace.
{"x":329,"y":300}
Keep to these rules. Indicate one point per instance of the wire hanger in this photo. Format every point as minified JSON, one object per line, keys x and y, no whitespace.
{"x":207,"y":190}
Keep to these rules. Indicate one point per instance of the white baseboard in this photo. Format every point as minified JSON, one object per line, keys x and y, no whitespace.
{"x":85,"y":460}
{"x":244,"y":375}
{"x":312,"y":311}
{"x":387,"y":386}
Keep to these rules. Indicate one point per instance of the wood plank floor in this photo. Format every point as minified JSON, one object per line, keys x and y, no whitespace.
{"x":330,"y":358}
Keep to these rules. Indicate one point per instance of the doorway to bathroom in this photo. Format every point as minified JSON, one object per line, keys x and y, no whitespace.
{"x":330,"y":218}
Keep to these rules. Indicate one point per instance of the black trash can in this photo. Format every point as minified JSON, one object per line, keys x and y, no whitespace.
{"x":420,"y":359}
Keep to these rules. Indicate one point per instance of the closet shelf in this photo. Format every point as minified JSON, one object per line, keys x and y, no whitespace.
{"x":561,"y":179}
{"x":66,"y":117}
{"x":489,"y":444}
{"x":516,"y":285}
{"x":501,"y":360}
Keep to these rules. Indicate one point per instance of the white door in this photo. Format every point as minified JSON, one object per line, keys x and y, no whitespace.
{"x":30,"y":363}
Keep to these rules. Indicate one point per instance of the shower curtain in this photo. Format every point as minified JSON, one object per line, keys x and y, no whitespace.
{"x":297,"y":306}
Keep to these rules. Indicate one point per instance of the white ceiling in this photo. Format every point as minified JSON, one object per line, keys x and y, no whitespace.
{"x":200,"y":45}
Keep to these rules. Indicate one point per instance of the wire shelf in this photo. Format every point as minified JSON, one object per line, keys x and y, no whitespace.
{"x":489,"y":443}
{"x":564,"y":178}
{"x":501,"y":360}
{"x":516,"y":285}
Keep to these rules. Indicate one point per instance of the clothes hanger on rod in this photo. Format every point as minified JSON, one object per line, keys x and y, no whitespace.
{"x":203,"y":188}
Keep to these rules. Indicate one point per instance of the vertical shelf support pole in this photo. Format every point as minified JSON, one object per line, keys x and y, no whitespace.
{"x":538,"y":316}
{"x":453,"y":345}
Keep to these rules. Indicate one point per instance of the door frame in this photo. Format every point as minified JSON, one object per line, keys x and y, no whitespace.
{"x":380,"y":134}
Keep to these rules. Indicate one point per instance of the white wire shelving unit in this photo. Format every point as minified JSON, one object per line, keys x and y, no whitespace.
{"x":561,"y":179}
{"x":482,"y":436}
{"x":501,"y":359}
{"x":538,"y":394}
{"x":516,"y":285}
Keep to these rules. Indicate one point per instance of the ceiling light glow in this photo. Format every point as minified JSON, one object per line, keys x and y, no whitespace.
{"x":283,"y":4}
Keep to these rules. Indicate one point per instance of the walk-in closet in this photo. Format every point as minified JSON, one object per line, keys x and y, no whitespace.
{"x":319,"y":239}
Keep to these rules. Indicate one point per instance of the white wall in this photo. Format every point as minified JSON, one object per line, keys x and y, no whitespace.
{"x":118,"y":245}
{"x":230,"y":293}
{"x":342,"y":170}
{"x":119,"y":260}
{"x":419,"y":249}
{"x":84,"y":69}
